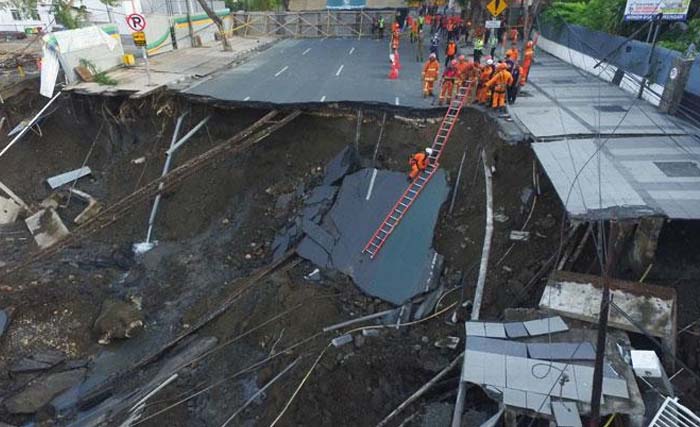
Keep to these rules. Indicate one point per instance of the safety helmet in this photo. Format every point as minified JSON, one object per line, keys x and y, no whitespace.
{"x":453,"y":62}
{"x":432,"y":56}
{"x":428,"y":151}
{"x":489,"y":61}
{"x":461,"y":57}
{"x":529,"y":44}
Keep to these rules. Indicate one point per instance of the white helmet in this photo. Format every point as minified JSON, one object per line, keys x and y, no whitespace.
{"x":489,"y":62}
{"x":429,"y":151}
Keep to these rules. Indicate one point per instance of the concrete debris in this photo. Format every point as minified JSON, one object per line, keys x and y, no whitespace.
{"x":38,"y":362}
{"x":500,"y":217}
{"x":139,"y":161}
{"x":9,"y":211}
{"x":519,"y":235}
{"x":344,"y":163}
{"x":428,"y":305}
{"x":646,"y":364}
{"x":64,"y":178}
{"x":46,"y":227}
{"x":370,"y":332}
{"x":42,"y":391}
{"x":93,"y":208}
{"x":314,"y":276}
{"x":342,"y":340}
{"x":447,"y":342}
{"x":117,"y":319}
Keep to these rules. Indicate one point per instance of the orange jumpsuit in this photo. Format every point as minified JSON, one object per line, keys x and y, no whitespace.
{"x":484,"y":91}
{"x":514,"y":35}
{"x":395,"y":40}
{"x":527,"y":63}
{"x":448,"y":80}
{"x":513,"y":54}
{"x":500,"y":81}
{"x":418,"y":163}
{"x":464,"y":68}
{"x":431,"y":71}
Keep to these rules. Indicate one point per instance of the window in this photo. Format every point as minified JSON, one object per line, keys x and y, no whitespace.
{"x":16,"y":15}
{"x":35,"y":15}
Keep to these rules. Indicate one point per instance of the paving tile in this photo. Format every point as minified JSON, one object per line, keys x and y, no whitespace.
{"x":545,"y":326}
{"x":475,"y":329}
{"x":539,"y":403}
{"x":498,"y":346}
{"x":494,"y":330}
{"x":566,"y":414}
{"x":615,"y":387}
{"x":561,"y":351}
{"x":515,"y":330}
{"x":475,"y":363}
{"x":495,"y":372}
{"x":516,"y":398}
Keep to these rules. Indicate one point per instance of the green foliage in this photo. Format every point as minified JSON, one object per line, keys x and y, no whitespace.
{"x":599,"y":15}
{"x":254,"y":5}
{"x":69,"y":16}
{"x":676,"y":39}
{"x":25,"y":7}
{"x":99,"y":77}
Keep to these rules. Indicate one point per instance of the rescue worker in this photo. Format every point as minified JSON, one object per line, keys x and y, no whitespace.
{"x":527,"y":61}
{"x":514,"y":34}
{"x":431,"y":71}
{"x":448,"y":80}
{"x":419,"y":162}
{"x":516,"y":71}
{"x":464,"y":69}
{"x":450,"y":52}
{"x":478,"y":48}
{"x":484,"y":92}
{"x":414,"y":30}
{"x":380,"y":25}
{"x":500,"y":82}
{"x":394,"y":41}
{"x":419,"y":46}
{"x":513,"y":53}
{"x":493,"y":42}
{"x":421,"y":22}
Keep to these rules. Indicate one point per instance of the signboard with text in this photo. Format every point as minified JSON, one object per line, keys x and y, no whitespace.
{"x":644,"y":10}
{"x":493,"y":24}
{"x":139,"y":38}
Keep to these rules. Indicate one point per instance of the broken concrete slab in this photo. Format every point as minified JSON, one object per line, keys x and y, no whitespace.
{"x":42,"y":391}
{"x":407,"y":265}
{"x":67,"y":177}
{"x":40,"y":361}
{"x":46,"y":227}
{"x":342,"y":340}
{"x":344,"y":163}
{"x":9,"y":210}
{"x":545,"y":326}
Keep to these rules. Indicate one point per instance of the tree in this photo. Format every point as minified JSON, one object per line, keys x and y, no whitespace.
{"x":219,"y":24}
{"x":65,"y":13}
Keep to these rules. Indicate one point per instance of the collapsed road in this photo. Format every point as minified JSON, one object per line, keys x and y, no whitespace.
{"x":291,"y":274}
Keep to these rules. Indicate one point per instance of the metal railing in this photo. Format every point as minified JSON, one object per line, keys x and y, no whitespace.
{"x":305,"y":24}
{"x":673,"y":414}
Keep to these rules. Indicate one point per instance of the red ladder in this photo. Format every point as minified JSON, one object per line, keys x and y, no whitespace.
{"x":374,"y":245}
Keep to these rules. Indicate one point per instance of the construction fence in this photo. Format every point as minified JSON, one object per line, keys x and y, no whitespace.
{"x":309,"y":24}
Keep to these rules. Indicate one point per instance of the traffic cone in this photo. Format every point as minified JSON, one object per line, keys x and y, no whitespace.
{"x":397,"y":60}
{"x":394,"y":72}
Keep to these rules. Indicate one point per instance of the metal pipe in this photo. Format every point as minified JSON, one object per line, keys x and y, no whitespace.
{"x":459,"y":177}
{"x":359,"y":319}
{"x":166,"y":168}
{"x":30,"y":124}
{"x":478,"y":296}
{"x":187,"y":136}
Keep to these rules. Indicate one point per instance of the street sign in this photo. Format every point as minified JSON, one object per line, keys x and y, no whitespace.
{"x":136,"y":22}
{"x":496,"y":7}
{"x":645,"y":10}
{"x":139,"y":38}
{"x":493,"y":24}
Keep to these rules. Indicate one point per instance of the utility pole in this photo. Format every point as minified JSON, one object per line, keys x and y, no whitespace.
{"x":615,"y":240}
{"x":189,"y":22}
{"x":656,"y":25}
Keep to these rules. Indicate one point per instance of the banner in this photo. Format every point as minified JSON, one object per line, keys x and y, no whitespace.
{"x":346,"y":4}
{"x":644,"y":10}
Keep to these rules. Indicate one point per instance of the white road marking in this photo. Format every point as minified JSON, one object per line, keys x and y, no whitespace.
{"x":281,"y":71}
{"x":246,"y":98}
{"x":371,"y":184}
{"x":323,"y":98}
{"x":351,"y":51}
{"x":396,"y":101}
{"x":306,"y":51}
{"x":340,"y":70}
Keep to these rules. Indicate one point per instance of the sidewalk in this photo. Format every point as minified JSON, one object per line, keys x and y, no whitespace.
{"x":172,"y":68}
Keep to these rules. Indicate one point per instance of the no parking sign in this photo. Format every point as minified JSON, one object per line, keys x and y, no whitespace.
{"x":136,"y":22}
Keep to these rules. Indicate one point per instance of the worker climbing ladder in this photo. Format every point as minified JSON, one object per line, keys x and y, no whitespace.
{"x":374,"y":245}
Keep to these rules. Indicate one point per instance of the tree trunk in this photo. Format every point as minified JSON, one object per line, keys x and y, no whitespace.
{"x":219,"y":24}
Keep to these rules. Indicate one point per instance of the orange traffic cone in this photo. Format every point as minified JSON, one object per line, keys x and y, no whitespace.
{"x":397,"y":60}
{"x":394,"y":72}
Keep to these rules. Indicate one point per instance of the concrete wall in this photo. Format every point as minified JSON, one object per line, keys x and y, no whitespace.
{"x":158,"y":37}
{"x":201,"y":25}
{"x":631,"y":58}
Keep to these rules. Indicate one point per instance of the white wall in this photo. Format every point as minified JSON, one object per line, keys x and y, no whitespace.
{"x":8,"y":23}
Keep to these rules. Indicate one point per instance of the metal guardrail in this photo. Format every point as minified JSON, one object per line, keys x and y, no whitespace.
{"x":673,"y":414}
{"x":317,"y":24}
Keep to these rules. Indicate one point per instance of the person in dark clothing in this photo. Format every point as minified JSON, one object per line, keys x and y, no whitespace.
{"x":380,"y":26}
{"x":516,"y":71}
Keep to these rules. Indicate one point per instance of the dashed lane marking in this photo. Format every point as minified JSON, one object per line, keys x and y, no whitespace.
{"x":281,"y":71}
{"x":340,"y":70}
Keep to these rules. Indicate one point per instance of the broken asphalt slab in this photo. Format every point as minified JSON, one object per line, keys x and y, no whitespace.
{"x":41,"y":391}
{"x":407,"y":264}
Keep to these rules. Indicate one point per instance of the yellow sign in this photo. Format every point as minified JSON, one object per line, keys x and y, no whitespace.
{"x":139,"y":38}
{"x":496,"y":7}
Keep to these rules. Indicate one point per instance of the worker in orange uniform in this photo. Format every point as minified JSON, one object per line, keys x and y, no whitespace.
{"x":414,"y":30}
{"x":484,"y":92}
{"x":464,"y":69}
{"x":450,"y":52}
{"x":527,"y":61}
{"x":419,"y":162}
{"x":448,"y":82}
{"x":431,"y":71}
{"x":394,"y":41}
{"x":513,"y":53}
{"x":500,"y":82}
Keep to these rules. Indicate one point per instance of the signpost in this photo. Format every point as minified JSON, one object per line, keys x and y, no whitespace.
{"x":137,"y":23}
{"x":496,"y":7}
{"x":645,"y":10}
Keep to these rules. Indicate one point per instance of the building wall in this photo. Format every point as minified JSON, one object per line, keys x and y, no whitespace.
{"x":10,"y":24}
